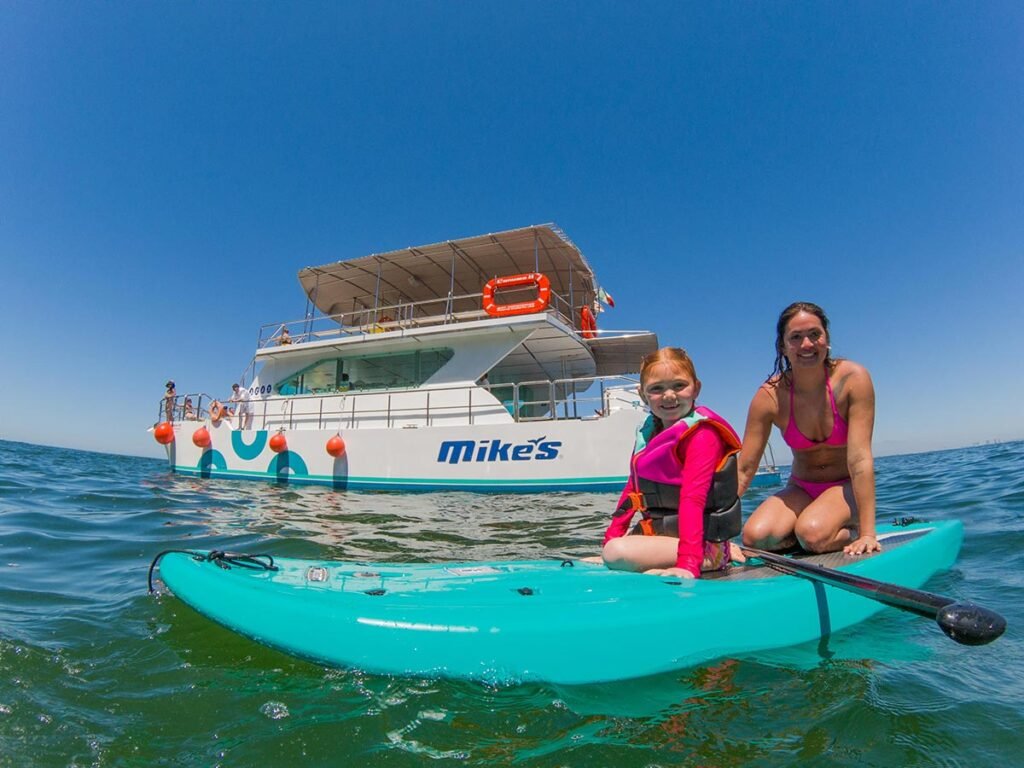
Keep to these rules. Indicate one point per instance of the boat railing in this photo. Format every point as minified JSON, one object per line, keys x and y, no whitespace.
{"x":530,"y":401}
{"x":193,"y":406}
{"x":392,"y":317}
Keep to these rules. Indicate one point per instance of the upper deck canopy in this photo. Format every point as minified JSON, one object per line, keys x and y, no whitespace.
{"x":451,"y":268}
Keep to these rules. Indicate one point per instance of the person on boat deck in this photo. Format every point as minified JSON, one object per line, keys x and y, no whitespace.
{"x":169,"y":398}
{"x":825,"y":409}
{"x":188,"y":411}
{"x":682,"y":480}
{"x":240,"y":395}
{"x":283,"y":337}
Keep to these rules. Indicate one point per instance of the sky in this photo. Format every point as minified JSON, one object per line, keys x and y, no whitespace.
{"x":167,"y":168}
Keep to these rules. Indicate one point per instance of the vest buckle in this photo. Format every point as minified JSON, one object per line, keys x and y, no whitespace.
{"x":637,"y":502}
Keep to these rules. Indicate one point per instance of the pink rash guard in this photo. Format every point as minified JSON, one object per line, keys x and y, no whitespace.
{"x":685,"y":455}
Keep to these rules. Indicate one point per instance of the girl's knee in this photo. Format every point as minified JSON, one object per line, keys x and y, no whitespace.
{"x":614,"y":552}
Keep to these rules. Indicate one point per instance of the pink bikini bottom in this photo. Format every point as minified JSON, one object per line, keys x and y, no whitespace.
{"x":814,"y":490}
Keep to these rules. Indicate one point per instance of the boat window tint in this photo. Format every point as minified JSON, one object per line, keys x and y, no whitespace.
{"x":401,"y":369}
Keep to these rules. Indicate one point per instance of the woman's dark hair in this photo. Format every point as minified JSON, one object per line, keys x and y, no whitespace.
{"x":781,"y":363}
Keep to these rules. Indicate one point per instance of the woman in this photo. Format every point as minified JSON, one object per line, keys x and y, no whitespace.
{"x":682,"y":479}
{"x":825,"y":410}
{"x":170,"y":398}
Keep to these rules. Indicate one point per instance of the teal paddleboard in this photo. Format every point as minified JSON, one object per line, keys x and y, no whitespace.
{"x":558,"y":621}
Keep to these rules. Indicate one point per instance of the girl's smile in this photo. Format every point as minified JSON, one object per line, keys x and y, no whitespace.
{"x":669,"y":392}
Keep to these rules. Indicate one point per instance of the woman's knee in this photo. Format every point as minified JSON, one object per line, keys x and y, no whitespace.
{"x":814,"y":534}
{"x":753,"y":532}
{"x":763,"y":528}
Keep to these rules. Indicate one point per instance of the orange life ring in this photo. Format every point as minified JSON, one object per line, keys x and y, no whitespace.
{"x":588,"y":325}
{"x":492,"y":308}
{"x":216,"y":411}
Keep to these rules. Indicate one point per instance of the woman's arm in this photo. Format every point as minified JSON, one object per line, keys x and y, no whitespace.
{"x":762,"y":413}
{"x":860,"y":462}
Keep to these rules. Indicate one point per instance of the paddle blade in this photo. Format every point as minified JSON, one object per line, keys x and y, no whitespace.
{"x":970,"y":624}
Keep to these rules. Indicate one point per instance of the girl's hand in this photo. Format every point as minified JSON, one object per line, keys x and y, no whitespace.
{"x":863,"y":546}
{"x":681,"y":573}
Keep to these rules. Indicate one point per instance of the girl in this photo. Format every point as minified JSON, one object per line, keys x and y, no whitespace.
{"x":682,"y":479}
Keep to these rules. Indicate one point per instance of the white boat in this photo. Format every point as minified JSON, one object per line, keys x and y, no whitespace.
{"x":768,"y":474}
{"x":471,"y":364}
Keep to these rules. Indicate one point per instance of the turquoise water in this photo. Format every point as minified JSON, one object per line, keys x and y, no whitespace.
{"x":96,"y":672}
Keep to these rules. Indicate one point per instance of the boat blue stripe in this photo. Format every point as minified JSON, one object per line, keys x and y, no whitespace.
{"x":595,"y":484}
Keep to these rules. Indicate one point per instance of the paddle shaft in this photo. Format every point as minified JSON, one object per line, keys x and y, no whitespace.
{"x":966,"y":623}
{"x":914,"y":600}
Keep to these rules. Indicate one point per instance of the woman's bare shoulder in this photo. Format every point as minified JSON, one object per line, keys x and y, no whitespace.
{"x":767,"y":396}
{"x":849,"y":377}
{"x":849,"y":369}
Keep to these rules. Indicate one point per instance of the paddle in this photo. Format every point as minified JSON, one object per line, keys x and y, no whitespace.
{"x":967,"y":623}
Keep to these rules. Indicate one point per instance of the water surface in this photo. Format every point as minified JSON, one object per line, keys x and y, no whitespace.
{"x":96,"y":672}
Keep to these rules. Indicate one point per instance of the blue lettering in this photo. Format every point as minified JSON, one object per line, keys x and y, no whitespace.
{"x":539,"y":449}
{"x":522,"y":452}
{"x":454,"y":451}
{"x":499,"y":451}
{"x":548,"y":450}
{"x":481,"y":452}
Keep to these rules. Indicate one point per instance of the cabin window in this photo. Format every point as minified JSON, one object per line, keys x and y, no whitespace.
{"x":384,"y":371}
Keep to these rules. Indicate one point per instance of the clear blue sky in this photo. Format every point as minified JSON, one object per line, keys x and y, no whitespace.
{"x":166,"y":168}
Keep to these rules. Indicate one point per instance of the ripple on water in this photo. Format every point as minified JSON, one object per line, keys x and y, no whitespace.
{"x":95,"y":671}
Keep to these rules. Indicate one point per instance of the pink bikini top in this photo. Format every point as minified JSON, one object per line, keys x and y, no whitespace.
{"x":796,"y":439}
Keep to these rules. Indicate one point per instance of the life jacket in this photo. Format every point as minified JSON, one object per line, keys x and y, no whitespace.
{"x":655,"y":471}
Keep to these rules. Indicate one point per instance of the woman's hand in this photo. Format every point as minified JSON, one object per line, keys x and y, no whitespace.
{"x":863,"y":546}
{"x":681,"y":573}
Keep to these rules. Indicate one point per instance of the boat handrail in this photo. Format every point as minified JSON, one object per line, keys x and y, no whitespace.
{"x":200,"y":407}
{"x":528,"y":401}
{"x":389,"y":317}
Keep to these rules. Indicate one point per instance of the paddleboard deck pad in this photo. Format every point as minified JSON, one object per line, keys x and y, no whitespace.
{"x":562,"y":621}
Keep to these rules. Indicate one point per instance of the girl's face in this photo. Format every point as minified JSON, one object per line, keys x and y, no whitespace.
{"x":669,"y":391}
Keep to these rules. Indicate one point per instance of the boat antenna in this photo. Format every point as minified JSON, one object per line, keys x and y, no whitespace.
{"x":536,"y":251}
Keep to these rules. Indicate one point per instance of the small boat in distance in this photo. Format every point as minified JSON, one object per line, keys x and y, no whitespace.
{"x":768,"y":474}
{"x":473,"y":364}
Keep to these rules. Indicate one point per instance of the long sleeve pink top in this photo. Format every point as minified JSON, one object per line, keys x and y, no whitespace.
{"x":700,"y":453}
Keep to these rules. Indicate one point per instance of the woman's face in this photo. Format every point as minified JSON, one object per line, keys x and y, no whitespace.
{"x":805,"y":342}
{"x":669,"y":391}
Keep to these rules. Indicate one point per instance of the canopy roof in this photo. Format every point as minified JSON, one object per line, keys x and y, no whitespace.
{"x":453,"y":267}
{"x":618,"y":355}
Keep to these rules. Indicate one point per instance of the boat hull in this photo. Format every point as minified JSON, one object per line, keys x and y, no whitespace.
{"x":766,"y":479}
{"x":568,"y":455}
{"x":559,"y":621}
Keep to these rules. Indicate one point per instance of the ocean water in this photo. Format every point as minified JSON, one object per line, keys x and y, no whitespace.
{"x":94,"y":671}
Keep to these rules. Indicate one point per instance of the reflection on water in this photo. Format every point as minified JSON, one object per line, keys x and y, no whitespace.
{"x":431,"y":527}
